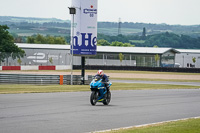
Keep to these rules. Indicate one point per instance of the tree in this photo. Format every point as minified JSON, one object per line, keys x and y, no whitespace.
{"x":103,"y":42}
{"x":117,"y":44}
{"x":194,"y":60}
{"x":19,"y":61}
{"x":144,"y":33}
{"x":40,"y":39}
{"x":120,"y":44}
{"x":51,"y":60}
{"x":59,"y":40}
{"x":7,"y":46}
{"x":30,"y":39}
{"x":128,"y":45}
{"x":121,"y":57}
{"x":157,"y":58}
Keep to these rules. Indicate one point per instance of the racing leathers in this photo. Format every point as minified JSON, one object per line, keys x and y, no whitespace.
{"x":105,"y":80}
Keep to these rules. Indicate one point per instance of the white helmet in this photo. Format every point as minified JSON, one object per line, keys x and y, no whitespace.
{"x":100,"y":72}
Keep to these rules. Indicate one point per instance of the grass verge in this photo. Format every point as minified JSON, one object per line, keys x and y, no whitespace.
{"x":13,"y":88}
{"x":182,"y":126}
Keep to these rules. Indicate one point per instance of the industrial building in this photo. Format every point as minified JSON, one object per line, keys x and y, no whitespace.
{"x":185,"y":58}
{"x":59,"y":55}
{"x":44,"y":55}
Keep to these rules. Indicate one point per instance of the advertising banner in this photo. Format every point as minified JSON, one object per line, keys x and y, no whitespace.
{"x":84,"y":27}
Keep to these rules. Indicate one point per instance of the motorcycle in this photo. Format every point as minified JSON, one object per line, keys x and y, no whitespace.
{"x":95,"y":85}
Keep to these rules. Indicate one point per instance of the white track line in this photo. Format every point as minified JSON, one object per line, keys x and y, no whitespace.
{"x":144,"y":125}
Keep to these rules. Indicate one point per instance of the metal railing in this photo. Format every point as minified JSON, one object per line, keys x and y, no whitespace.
{"x":40,"y":79}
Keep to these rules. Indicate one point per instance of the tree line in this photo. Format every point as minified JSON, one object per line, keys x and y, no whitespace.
{"x":40,"y":39}
{"x":172,"y":40}
{"x":55,"y":25}
{"x":161,"y":40}
{"x":166,"y":39}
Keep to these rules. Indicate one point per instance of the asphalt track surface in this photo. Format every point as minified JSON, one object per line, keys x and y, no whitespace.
{"x":72,"y":113}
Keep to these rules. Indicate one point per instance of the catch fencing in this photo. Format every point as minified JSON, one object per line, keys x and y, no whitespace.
{"x":42,"y":79}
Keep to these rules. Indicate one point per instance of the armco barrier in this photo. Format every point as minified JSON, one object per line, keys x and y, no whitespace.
{"x":41,"y":79}
{"x":29,"y":79}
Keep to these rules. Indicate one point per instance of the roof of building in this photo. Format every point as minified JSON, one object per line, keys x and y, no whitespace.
{"x":42,"y":46}
{"x":145,"y":50}
{"x":194,"y":51}
{"x":105,"y":49}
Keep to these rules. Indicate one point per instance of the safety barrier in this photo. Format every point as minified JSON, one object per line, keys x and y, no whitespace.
{"x":137,"y":68}
{"x":42,"y":79}
{"x":47,"y":67}
{"x":58,"y":67}
{"x":11,"y":68}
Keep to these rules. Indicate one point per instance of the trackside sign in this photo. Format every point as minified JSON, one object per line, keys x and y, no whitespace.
{"x":85,"y":27}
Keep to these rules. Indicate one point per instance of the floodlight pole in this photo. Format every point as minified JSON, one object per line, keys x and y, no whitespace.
{"x":72,"y":54}
{"x":72,"y":11}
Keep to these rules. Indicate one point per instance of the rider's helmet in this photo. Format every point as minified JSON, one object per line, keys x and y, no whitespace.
{"x":100,"y":72}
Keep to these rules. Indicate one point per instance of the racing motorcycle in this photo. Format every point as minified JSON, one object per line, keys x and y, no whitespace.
{"x":97,"y":84}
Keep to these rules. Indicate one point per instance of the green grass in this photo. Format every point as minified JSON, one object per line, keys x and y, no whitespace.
{"x":13,"y":88}
{"x":114,"y":31}
{"x":182,"y":126}
{"x":28,"y":32}
{"x":19,"y":88}
{"x":137,"y":41}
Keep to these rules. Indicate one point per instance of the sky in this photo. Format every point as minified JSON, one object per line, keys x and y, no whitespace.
{"x":183,"y":12}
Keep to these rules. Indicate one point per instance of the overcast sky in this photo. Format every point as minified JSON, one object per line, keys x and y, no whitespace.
{"x":184,"y":12}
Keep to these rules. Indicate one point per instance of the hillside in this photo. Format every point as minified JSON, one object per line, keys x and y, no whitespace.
{"x":132,"y":34}
{"x":25,"y":26}
{"x":28,"y":19}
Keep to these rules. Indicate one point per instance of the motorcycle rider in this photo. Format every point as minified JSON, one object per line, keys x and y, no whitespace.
{"x":105,"y":80}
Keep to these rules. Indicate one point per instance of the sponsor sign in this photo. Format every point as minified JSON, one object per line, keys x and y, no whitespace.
{"x":85,"y":27}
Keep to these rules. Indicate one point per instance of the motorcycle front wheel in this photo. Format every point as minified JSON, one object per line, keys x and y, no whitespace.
{"x":107,"y":98}
{"x":93,"y":97}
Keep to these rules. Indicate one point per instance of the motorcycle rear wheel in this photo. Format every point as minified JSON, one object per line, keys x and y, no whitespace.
{"x":93,"y":97}
{"x":107,"y":98}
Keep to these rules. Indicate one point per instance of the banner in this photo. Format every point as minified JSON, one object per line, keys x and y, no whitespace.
{"x":85,"y":27}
